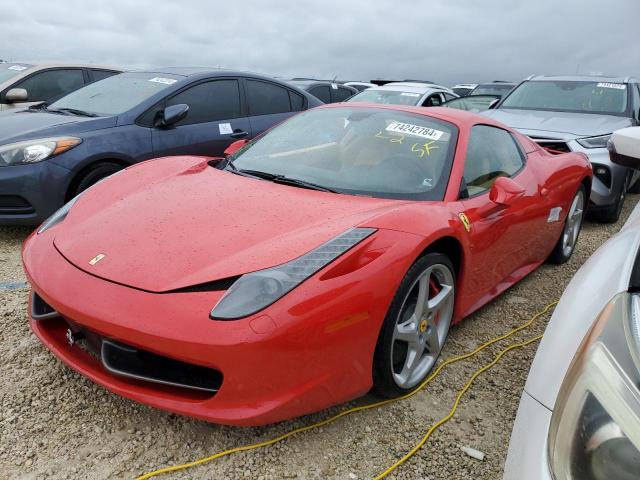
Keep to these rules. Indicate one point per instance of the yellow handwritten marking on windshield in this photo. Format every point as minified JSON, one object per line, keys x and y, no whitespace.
{"x":424,"y":149}
{"x":392,"y":139}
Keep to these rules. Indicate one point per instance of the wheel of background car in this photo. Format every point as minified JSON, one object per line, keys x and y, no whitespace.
{"x":566,"y":244}
{"x":415,"y":327}
{"x":611,"y":213}
{"x":95,"y":174}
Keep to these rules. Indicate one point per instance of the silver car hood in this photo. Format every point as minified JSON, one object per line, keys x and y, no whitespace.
{"x":603,"y":276}
{"x":538,"y":123}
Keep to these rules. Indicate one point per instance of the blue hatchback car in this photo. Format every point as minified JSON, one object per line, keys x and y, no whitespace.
{"x":50,"y":153}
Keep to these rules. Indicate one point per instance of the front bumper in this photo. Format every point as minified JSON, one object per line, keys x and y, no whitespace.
{"x":603,"y":195}
{"x":31,"y":193}
{"x":527,"y":457}
{"x":308,"y":351}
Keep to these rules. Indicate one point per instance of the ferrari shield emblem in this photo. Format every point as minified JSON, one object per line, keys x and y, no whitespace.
{"x":96,"y":259}
{"x":465,"y":221}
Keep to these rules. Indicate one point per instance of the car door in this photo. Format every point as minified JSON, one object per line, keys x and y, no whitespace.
{"x":47,"y":85}
{"x":269,"y":104}
{"x":215,"y":120}
{"x":503,"y":239}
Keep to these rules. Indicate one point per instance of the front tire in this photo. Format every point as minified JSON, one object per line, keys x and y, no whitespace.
{"x":566,"y":244}
{"x":94,"y":175}
{"x":415,"y":327}
{"x":611,"y":213}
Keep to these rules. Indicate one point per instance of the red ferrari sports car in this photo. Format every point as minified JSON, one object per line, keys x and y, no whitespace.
{"x":325,"y":258}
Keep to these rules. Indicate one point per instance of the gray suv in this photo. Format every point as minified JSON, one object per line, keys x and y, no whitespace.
{"x":579,"y":113}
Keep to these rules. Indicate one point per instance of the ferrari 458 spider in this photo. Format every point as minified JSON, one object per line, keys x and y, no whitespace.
{"x":325,"y":258}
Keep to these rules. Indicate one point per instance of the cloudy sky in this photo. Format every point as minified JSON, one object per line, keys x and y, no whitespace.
{"x":447,"y":41}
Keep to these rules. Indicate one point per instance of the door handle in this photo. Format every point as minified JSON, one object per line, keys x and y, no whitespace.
{"x":239,"y":134}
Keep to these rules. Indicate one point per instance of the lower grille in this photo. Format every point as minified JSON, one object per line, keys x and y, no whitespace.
{"x":128,"y":361}
{"x":14,"y":205}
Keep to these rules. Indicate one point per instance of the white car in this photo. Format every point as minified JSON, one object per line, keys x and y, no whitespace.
{"x":579,"y":415}
{"x":406,"y":93}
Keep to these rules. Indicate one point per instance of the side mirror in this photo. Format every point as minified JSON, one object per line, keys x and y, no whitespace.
{"x":624,"y":147}
{"x":235,"y":146}
{"x":171,"y":115}
{"x":16,"y":95}
{"x":505,"y":191}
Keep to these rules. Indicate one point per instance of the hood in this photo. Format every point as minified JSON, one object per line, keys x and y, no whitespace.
{"x":27,"y":124}
{"x":177,"y":222}
{"x":558,"y":124}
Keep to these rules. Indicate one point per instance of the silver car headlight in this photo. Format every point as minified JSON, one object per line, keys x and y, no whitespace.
{"x":595,"y":426}
{"x":254,"y":291}
{"x":32,"y":151}
{"x":594,"y":142}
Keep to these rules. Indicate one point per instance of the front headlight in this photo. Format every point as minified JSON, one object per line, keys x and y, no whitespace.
{"x":594,"y":142}
{"x":595,"y":426}
{"x":254,"y":291}
{"x":32,"y":151}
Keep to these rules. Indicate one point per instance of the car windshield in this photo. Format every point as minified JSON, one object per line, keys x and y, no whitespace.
{"x":570,"y":96}
{"x":10,"y":70}
{"x":116,"y":94}
{"x":472,"y":103}
{"x":363,"y":151}
{"x":492,"y":89}
{"x":388,"y":97}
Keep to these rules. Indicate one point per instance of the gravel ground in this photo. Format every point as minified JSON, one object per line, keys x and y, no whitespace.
{"x":56,"y":424}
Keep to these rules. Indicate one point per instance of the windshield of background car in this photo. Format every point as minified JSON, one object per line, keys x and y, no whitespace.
{"x":570,"y":96}
{"x":362,"y":151}
{"x":10,"y":70}
{"x":387,"y":97}
{"x":492,"y":89}
{"x":116,"y":94}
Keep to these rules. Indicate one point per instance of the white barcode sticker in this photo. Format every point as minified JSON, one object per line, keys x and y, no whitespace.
{"x":417,"y":130}
{"x":617,"y":86}
{"x":166,"y":81}
{"x":18,"y":68}
{"x":407,"y":94}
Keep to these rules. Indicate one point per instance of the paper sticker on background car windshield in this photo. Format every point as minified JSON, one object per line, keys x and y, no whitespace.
{"x":417,"y":130}
{"x":617,"y":86}
{"x":334,"y":86}
{"x":407,"y":94}
{"x":225,"y":128}
{"x":18,"y":68}
{"x":554,"y":214}
{"x":166,"y":81}
{"x":466,"y":223}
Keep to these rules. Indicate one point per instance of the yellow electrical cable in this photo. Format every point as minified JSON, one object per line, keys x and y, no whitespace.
{"x":381,"y":403}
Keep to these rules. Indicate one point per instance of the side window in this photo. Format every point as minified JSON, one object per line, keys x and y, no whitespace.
{"x":635,"y":94}
{"x":322,"y":93}
{"x":433,"y":100}
{"x":297,"y":101}
{"x":266,"y":98}
{"x":491,"y":153}
{"x":209,"y":101}
{"x":51,"y":84}
{"x":341,"y":94}
{"x":448,"y":96}
{"x":100,"y":74}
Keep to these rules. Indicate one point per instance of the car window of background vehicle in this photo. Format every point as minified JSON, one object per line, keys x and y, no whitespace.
{"x":570,"y":96}
{"x":209,"y":101}
{"x":322,"y":93}
{"x":491,"y":153}
{"x":51,"y":83}
{"x":116,"y":94}
{"x":266,"y":98}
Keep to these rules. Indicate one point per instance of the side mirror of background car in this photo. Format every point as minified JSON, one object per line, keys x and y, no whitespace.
{"x":16,"y":95}
{"x":624,"y":147}
{"x":504,"y":191}
{"x":172,"y":114}
{"x":235,"y":146}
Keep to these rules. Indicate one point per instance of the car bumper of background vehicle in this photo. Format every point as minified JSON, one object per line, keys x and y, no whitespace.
{"x":297,"y":357}
{"x":30,"y":193}
{"x":608,"y":178}
{"x":527,"y":457}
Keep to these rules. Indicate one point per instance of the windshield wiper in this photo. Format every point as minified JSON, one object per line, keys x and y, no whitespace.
{"x":74,"y":111}
{"x":282,"y":179}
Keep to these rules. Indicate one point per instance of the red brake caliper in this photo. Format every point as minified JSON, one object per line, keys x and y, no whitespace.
{"x":434,"y":289}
